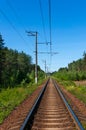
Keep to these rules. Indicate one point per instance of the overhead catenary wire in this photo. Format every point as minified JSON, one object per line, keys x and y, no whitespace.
{"x":14,"y":28}
{"x":11,"y":24}
{"x":49,"y":2}
{"x":14,"y":12}
{"x":50,"y":25}
{"x":12,"y":8}
{"x":17,"y":18}
{"x":50,"y":35}
{"x":44,"y":29}
{"x":43,"y":23}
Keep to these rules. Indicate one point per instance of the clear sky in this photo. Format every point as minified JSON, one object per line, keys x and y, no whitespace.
{"x":68,"y":22}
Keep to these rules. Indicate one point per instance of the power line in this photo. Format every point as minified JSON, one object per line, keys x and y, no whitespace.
{"x":15,"y":13}
{"x":14,"y":28}
{"x":49,"y":1}
{"x":12,"y":8}
{"x":11,"y":24}
{"x":50,"y":24}
{"x":50,"y":41}
{"x":43,"y":20}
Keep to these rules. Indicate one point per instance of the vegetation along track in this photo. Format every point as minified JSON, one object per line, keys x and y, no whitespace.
{"x":51,"y":112}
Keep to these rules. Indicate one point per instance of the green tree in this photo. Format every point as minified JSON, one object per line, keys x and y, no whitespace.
{"x":84,"y":55}
{"x":2,"y":59}
{"x":24,"y":62}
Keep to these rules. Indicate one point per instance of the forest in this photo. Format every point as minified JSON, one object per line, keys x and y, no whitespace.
{"x":15,"y":67}
{"x":75,"y":70}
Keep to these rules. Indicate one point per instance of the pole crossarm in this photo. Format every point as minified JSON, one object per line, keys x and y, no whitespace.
{"x":48,"y":53}
{"x":44,"y":43}
{"x":31,"y":33}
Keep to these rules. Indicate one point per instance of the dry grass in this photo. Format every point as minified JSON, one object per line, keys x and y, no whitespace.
{"x":78,"y":83}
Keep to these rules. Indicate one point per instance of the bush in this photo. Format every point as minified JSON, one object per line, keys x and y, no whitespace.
{"x":72,"y":76}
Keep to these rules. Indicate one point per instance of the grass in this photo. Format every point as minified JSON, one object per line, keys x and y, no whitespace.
{"x":78,"y":90}
{"x":12,"y":97}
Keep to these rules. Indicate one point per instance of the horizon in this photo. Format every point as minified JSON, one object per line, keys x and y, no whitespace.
{"x":68,"y":29}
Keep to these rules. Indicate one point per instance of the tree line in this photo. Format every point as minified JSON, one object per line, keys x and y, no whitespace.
{"x":75,"y":70}
{"x":15,"y":67}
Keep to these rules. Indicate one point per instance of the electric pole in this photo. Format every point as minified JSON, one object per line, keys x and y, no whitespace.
{"x":45,"y":67}
{"x":36,"y":54}
{"x":32,"y":33}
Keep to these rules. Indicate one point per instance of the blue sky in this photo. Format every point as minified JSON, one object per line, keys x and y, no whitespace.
{"x":68,"y":21}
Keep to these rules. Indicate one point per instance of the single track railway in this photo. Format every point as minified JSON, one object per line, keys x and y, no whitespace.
{"x":51,"y":111}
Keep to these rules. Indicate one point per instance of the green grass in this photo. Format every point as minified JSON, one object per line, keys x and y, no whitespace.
{"x":78,"y":91}
{"x":12,"y":97}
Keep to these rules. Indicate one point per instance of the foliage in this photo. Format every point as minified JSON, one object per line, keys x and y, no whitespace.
{"x":17,"y":70}
{"x":15,"y":67}
{"x":78,"y":91}
{"x":75,"y":71}
{"x":9,"y":96}
{"x":2,"y":57}
{"x":70,"y":75}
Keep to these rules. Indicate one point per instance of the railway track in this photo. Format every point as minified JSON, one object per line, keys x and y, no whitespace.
{"x":51,"y":112}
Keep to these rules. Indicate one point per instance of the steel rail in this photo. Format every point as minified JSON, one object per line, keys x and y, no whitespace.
{"x":25,"y":124}
{"x":75,"y":118}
